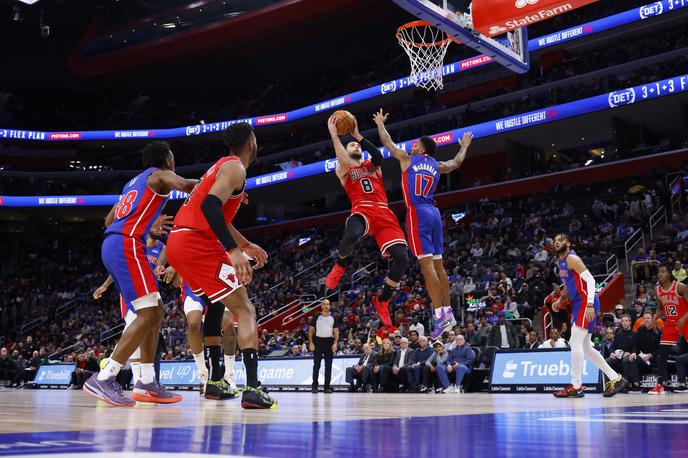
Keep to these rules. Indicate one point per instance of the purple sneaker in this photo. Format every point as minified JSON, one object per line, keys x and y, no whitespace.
{"x":441,"y":325}
{"x":108,"y":391}
{"x":154,"y":392}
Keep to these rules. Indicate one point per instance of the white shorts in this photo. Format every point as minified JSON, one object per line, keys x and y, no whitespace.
{"x":192,"y":305}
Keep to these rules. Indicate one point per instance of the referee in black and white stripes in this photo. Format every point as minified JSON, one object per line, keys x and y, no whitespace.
{"x":323,"y":336}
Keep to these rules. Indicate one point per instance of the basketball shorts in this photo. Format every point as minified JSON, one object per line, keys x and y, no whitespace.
{"x":578,"y":314}
{"x":424,"y":229}
{"x":382,"y":224}
{"x":203,"y":264}
{"x":670,"y":332}
{"x":191,"y":301}
{"x":125,"y":260}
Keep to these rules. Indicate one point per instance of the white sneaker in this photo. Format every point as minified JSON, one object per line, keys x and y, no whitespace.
{"x":203,"y":375}
{"x":232,"y":384}
{"x":459,"y":389}
{"x":451,"y":389}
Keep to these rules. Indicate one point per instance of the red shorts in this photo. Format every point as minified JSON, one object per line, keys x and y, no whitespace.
{"x":203,"y":264}
{"x":670,"y":333}
{"x":382,"y":224}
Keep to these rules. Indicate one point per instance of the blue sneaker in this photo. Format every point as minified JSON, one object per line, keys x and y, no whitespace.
{"x":442,"y":325}
{"x":108,"y":391}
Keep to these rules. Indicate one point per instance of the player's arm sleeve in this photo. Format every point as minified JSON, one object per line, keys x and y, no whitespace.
{"x":375,"y":154}
{"x":212,"y":210}
{"x":590,"y":284}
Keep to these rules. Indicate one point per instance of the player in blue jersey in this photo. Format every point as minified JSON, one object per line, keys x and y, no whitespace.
{"x":123,"y":251}
{"x":154,"y":249}
{"x":585,"y":306}
{"x":420,"y":175}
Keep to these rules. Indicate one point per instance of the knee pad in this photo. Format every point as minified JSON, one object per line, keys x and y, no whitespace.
{"x":399,"y":261}
{"x":212,"y":324}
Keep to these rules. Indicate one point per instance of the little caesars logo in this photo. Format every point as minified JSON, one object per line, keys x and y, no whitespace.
{"x":623,"y":97}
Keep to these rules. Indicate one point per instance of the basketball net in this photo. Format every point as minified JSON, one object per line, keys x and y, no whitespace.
{"x":426,"y":47}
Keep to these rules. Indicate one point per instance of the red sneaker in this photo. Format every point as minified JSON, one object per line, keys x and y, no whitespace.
{"x":382,"y":311}
{"x":658,"y":389}
{"x":332,"y":279}
{"x":570,"y":392}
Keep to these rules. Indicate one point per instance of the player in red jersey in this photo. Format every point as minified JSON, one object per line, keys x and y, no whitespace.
{"x":370,"y":214}
{"x":213,"y":257}
{"x":672,"y":296}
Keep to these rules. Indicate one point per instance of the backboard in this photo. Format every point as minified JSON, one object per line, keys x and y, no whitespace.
{"x":509,"y":49}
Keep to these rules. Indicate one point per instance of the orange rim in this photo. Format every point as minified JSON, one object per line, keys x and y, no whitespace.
{"x":412,"y":24}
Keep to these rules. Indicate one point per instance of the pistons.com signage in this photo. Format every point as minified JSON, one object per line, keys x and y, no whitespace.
{"x":497,"y":17}
{"x":538,"y":371}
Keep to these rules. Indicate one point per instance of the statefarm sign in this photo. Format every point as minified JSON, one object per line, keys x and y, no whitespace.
{"x":497,"y":17}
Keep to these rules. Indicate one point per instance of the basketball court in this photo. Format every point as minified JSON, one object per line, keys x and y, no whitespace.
{"x":56,"y":423}
{"x":66,"y":423}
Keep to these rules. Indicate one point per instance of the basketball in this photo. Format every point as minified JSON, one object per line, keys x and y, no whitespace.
{"x":345,"y":122}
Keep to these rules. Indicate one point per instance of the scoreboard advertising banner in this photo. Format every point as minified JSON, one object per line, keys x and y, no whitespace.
{"x":271,"y":372}
{"x":538,"y":371}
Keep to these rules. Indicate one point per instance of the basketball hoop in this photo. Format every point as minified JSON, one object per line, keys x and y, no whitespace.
{"x":426,"y":46}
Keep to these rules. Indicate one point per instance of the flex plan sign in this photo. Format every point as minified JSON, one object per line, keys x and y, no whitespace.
{"x":537,"y":371}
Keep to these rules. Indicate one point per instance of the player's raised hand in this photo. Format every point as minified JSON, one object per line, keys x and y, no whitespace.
{"x":162,"y":225}
{"x":466,"y":140}
{"x":241,"y":265}
{"x":98,"y":293}
{"x":380,"y":118}
{"x":354,"y":132}
{"x":332,"y":126}
{"x":257,"y":253}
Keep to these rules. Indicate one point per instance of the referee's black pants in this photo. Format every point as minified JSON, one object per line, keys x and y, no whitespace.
{"x":323,"y":348}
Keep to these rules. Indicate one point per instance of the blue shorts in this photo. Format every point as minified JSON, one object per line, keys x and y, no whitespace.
{"x":191,"y":301}
{"x":424,"y":229}
{"x":125,"y":260}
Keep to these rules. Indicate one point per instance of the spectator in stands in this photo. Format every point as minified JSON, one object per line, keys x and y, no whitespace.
{"x":414,"y":340}
{"x":647,"y":341}
{"x":641,"y":295}
{"x":607,"y":344}
{"x":383,"y":366}
{"x":554,"y":341}
{"x":637,"y":311}
{"x":8,"y":369}
{"x":619,"y":312}
{"x":532,"y":341}
{"x":503,"y":334}
{"x":639,"y":265}
{"x":32,"y":367}
{"x":415,"y":369}
{"x":417,"y":325}
{"x":20,"y":364}
{"x":437,"y":358}
{"x":450,"y":342}
{"x":402,"y":359}
{"x":679,"y":272}
{"x":623,"y":349}
{"x":459,"y":363}
{"x":361,"y":372}
{"x":472,"y":336}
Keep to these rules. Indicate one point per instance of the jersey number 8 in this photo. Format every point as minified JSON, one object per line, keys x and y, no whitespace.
{"x":126,"y":203}
{"x":367,"y":185}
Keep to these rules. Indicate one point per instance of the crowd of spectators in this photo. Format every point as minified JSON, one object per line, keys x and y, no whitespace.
{"x":498,"y":256}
